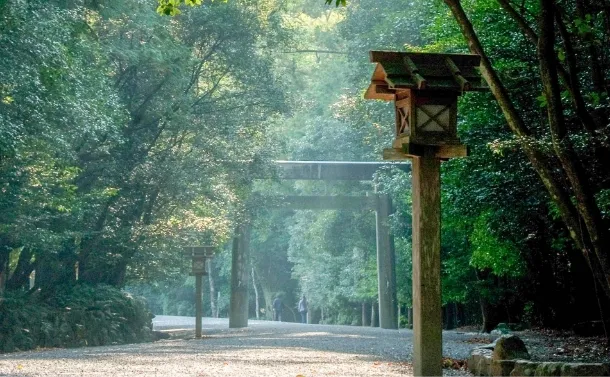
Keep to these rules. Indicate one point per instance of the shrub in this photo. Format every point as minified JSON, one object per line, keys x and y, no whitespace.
{"x":72,"y":316}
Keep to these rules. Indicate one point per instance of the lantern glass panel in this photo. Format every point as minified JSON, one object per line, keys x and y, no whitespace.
{"x":198,"y":266}
{"x":433,"y":118}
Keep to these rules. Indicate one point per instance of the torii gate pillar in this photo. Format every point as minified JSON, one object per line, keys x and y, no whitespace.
{"x":424,"y":89}
{"x":238,"y":310}
{"x":386,"y":264}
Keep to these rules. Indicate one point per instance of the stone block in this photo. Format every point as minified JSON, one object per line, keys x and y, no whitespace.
{"x":585,"y":369}
{"x":479,"y":361}
{"x":548,"y":369}
{"x":524,"y":368}
{"x":501,"y":367}
{"x":484,"y":366}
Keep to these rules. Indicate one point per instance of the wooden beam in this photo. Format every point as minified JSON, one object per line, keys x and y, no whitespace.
{"x":457,"y":75}
{"x":377,"y":56}
{"x":411,"y":150}
{"x":393,"y":154}
{"x":198,"y":304}
{"x":427,"y":314}
{"x":313,"y":202}
{"x":414,"y":72}
{"x":333,"y":170}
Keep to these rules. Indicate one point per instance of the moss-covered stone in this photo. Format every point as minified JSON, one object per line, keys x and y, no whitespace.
{"x":585,"y":369}
{"x":502,"y":367}
{"x":510,"y":347}
{"x":524,"y":368}
{"x":549,"y":369}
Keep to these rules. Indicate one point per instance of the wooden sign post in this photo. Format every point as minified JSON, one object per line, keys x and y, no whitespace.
{"x":198,"y":256}
{"x":425,"y":88}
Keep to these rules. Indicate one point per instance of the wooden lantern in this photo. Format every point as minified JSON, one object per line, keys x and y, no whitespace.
{"x":424,"y":88}
{"x":199,"y":255}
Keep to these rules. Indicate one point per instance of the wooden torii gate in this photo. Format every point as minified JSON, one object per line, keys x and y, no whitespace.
{"x":380,"y":203}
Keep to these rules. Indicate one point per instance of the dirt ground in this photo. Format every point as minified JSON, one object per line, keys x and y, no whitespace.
{"x":280,"y":349}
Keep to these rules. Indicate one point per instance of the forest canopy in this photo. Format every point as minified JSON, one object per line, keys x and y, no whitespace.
{"x":126,"y":135}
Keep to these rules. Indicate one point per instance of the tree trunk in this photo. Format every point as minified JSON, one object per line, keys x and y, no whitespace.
{"x":5,"y":251}
{"x":212,"y":283}
{"x":490,"y":318}
{"x":450,"y":316}
{"x":537,"y":158}
{"x":21,"y":275}
{"x":365,"y":315}
{"x":597,"y":75}
{"x":570,"y":78}
{"x":3,"y":273}
{"x":563,"y":146}
{"x":256,"y":301}
{"x":399,"y":315}
{"x":374,"y":319}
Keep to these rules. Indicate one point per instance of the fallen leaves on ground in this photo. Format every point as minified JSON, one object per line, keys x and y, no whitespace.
{"x":477,"y":340}
{"x":450,"y":363}
{"x":554,"y":345}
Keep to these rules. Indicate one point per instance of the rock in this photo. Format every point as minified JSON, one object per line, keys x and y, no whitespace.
{"x":548,"y":369}
{"x":484,"y":366}
{"x":585,"y":369}
{"x":479,"y":361}
{"x":524,"y":368}
{"x":502,"y":367}
{"x":510,"y":347}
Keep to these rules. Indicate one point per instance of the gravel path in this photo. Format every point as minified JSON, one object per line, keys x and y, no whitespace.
{"x":263,"y":349}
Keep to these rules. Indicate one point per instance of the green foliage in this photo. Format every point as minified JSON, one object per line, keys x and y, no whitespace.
{"x":172,"y":7}
{"x":73,"y":316}
{"x":125,"y":136}
{"x":603,"y":201}
{"x":489,"y":252}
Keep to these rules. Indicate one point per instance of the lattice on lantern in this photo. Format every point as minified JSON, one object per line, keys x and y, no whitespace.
{"x":403,"y":125}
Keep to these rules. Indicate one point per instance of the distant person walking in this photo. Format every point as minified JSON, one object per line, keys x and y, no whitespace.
{"x":303,"y":307}
{"x":277,"y":308}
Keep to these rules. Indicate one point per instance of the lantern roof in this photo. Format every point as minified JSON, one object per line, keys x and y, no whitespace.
{"x":399,"y":71}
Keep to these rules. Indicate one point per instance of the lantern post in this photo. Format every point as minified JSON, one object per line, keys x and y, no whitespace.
{"x":425,"y":88}
{"x":198,"y":255}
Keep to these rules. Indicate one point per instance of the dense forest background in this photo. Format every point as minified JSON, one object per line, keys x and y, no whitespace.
{"x":126,"y":135}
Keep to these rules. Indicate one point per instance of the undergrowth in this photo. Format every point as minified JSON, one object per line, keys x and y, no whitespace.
{"x":72,"y":316}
